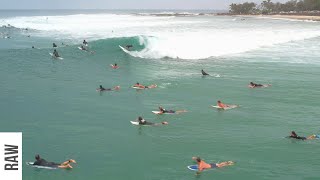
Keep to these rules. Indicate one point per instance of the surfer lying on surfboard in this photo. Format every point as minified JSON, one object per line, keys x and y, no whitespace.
{"x":203,"y":165}
{"x":225,"y":106}
{"x":140,"y":86}
{"x":295,"y":136}
{"x":108,"y":89}
{"x":164,"y":111}
{"x":41,"y":162}
{"x":254,"y":85}
{"x":142,"y":121}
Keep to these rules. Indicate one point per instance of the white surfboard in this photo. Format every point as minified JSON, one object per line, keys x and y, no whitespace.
{"x":55,"y":57}
{"x":41,"y":167}
{"x":158,"y":112}
{"x":124,"y":49}
{"x":229,"y":107}
{"x":137,"y":123}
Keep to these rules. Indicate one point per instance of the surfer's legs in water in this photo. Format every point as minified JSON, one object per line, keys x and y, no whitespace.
{"x":222,"y":164}
{"x":180,"y":111}
{"x":313,"y":137}
{"x":66,"y":164}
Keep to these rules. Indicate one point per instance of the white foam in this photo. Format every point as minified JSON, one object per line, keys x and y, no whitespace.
{"x":175,"y":37}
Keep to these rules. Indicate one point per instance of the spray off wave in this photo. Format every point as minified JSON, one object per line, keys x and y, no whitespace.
{"x":174,"y":37}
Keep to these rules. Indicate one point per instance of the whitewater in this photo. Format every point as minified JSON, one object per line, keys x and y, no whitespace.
{"x":192,"y":37}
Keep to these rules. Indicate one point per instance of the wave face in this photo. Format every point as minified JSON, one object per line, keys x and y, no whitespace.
{"x":169,"y":36}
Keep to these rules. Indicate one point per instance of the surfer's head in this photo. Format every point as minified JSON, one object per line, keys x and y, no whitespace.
{"x":115,"y":64}
{"x":293,"y":134}
{"x":37,"y":157}
{"x":198,"y":159}
{"x":251,"y":83}
{"x":140,"y":118}
{"x":219,"y":101}
{"x":137,"y":83}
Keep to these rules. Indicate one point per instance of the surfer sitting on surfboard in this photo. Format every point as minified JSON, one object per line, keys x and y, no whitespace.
{"x":204,"y":73}
{"x":108,"y":89}
{"x":41,"y":162}
{"x":55,"y":53}
{"x":83,"y":48}
{"x":203,"y":165}
{"x":295,"y":136}
{"x":144,"y":122}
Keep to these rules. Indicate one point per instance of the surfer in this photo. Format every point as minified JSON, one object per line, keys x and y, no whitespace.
{"x":139,"y":85}
{"x":41,"y":162}
{"x":204,"y":73}
{"x":54,"y":45}
{"x":254,"y":85}
{"x":32,"y":47}
{"x":295,"y":136}
{"x":203,"y":165}
{"x":85,"y":42}
{"x":55,"y":53}
{"x":144,"y":122}
{"x":108,"y":89}
{"x":162,"y":111}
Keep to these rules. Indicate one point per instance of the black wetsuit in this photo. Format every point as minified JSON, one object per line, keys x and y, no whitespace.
{"x":298,"y":137}
{"x":256,"y":85}
{"x":42,"y":162}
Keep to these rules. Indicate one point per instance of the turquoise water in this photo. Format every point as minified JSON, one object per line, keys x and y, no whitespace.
{"x":55,"y":104}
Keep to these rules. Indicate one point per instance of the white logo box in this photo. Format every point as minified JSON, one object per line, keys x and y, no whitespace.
{"x":11,"y":156}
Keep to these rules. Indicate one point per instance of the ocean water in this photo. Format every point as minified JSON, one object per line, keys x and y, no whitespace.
{"x":56,"y":106}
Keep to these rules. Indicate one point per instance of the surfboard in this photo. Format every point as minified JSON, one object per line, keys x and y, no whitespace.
{"x":80,"y":48}
{"x":41,"y":167}
{"x":263,"y":86}
{"x":137,"y":123}
{"x":158,"y":112}
{"x":55,"y":57}
{"x":195,"y":168}
{"x":148,"y":87}
{"x":229,"y":107}
{"x":124,"y":49}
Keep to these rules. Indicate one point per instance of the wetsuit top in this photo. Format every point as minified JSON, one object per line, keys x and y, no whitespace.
{"x":203,"y":165}
{"x":298,"y":137}
{"x":42,"y":162}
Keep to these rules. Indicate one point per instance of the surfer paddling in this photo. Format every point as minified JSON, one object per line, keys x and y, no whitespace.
{"x":108,"y":89}
{"x":202,"y":165}
{"x":254,"y":85}
{"x":42,"y":162}
{"x":163,"y":111}
{"x":295,"y":136}
{"x":144,"y":122}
